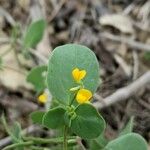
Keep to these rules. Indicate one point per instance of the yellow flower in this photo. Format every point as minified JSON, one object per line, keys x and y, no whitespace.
{"x":83,"y":96}
{"x":78,"y":75}
{"x":43,"y":98}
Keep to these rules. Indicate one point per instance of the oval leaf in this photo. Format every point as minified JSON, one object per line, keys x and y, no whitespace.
{"x":61,"y":64}
{"x":54,"y":118}
{"x":34,"y":34}
{"x":131,"y":141}
{"x":37,"y":77}
{"x":88,"y":123}
{"x":37,"y":117}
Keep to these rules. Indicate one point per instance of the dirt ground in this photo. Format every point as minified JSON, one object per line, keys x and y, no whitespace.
{"x":118,"y":31}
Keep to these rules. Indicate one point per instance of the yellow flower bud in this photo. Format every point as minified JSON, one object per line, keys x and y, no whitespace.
{"x":43,"y":98}
{"x":83,"y":96}
{"x":78,"y":75}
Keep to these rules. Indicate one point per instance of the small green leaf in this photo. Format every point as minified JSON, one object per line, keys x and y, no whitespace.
{"x":61,"y":64}
{"x":128,"y":128}
{"x":34,"y":34}
{"x":54,"y":118}
{"x":131,"y":141}
{"x":37,"y":77}
{"x":88,"y":123}
{"x":147,"y":55}
{"x":16,"y":131}
{"x":37,"y":117}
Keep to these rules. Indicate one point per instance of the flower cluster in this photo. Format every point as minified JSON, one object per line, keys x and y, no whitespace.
{"x":83,"y":95}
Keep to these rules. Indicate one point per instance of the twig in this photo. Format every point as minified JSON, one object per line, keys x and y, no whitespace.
{"x":80,"y":143}
{"x":8,"y":17}
{"x":14,"y":69}
{"x":38,"y":55}
{"x":55,"y":12}
{"x":123,"y":64}
{"x":135,"y":65}
{"x":124,"y":93}
{"x":129,"y":8}
{"x":133,"y":44}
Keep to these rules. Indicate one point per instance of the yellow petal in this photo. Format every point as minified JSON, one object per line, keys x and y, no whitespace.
{"x":78,"y":75}
{"x":75,"y":74}
{"x":43,"y":98}
{"x":82,"y":74}
{"x":83,"y":96}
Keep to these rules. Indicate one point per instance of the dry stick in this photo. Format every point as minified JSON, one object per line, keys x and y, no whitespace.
{"x":4,"y":142}
{"x":124,"y":93}
{"x":134,"y":44}
{"x":135,"y":65}
{"x":80,"y":143}
{"x":8,"y":17}
{"x":38,"y":55}
{"x":57,"y":9}
{"x":123,"y":64}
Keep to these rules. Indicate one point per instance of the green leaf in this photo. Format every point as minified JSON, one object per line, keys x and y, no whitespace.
{"x":34,"y":34}
{"x":37,"y":117}
{"x":54,"y":118}
{"x":88,"y":123}
{"x":98,"y":143}
{"x":128,"y":128}
{"x":61,"y":64}
{"x":16,"y":131}
{"x":131,"y":141}
{"x":147,"y":55}
{"x":37,"y":77}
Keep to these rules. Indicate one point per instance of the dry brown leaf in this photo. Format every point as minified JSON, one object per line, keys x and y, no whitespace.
{"x":24,"y":3}
{"x":120,"y":21}
{"x":11,"y":76}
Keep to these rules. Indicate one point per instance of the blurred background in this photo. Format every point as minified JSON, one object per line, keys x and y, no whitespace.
{"x":118,"y":32}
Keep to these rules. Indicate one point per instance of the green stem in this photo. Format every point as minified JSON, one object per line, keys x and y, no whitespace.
{"x":65,"y":138}
{"x":73,"y":99}
{"x":76,"y":107}
{"x":70,"y":140}
{"x":18,"y":145}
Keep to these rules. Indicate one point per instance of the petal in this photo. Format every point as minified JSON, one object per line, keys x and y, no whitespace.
{"x":82,"y":74}
{"x":83,"y":96}
{"x":75,"y":74}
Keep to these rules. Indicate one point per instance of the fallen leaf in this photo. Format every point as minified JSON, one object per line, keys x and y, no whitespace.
{"x":120,"y":21}
{"x":11,"y":75}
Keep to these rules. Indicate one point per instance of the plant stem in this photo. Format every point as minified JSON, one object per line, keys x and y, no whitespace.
{"x":70,"y":140}
{"x":65,"y":138}
{"x":18,"y":145}
{"x":72,"y":99}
